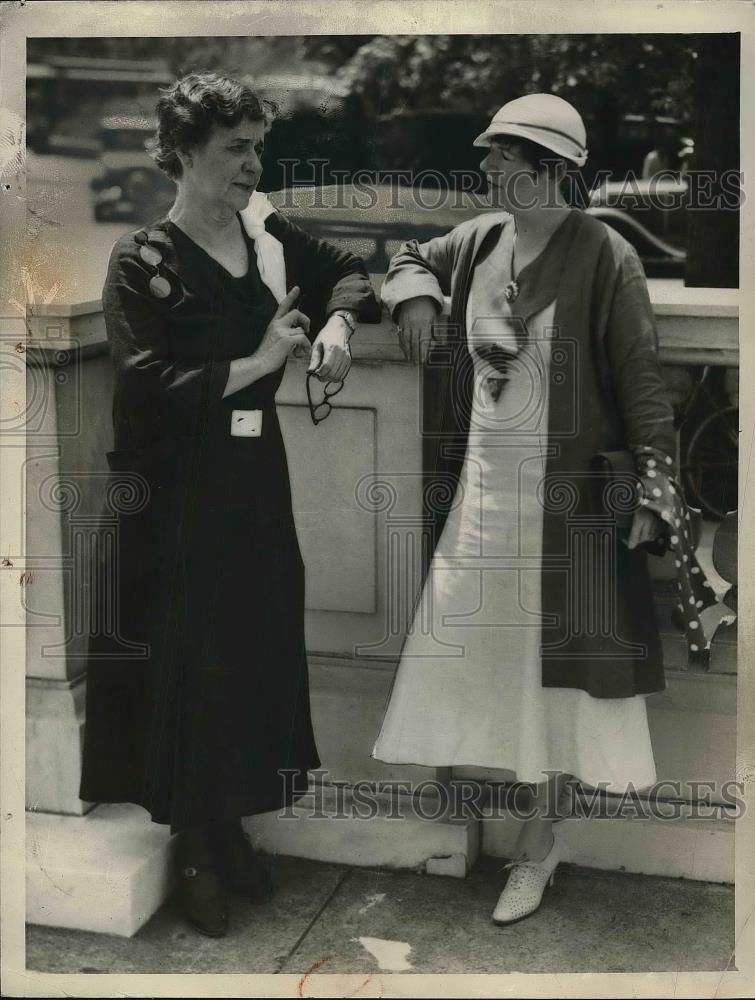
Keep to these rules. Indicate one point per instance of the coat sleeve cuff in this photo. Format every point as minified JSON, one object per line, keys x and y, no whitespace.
{"x":397,"y":290}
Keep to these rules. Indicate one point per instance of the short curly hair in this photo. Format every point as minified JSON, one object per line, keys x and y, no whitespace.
{"x":190,"y":108}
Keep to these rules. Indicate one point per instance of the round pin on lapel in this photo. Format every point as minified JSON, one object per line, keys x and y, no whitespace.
{"x":160,"y":287}
{"x":150,"y":255}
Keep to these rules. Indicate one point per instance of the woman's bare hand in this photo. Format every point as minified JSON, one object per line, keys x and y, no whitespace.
{"x":331,"y":356}
{"x":287,"y":330}
{"x":646,"y":526}
{"x":415,"y":324}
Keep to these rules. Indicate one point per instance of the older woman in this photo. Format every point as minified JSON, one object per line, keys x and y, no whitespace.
{"x":542,"y":641}
{"x":198,"y":709}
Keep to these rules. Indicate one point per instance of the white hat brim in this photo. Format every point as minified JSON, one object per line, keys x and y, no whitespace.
{"x":563,"y":147}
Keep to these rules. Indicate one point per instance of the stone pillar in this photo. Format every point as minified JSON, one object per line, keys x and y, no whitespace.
{"x":63,"y":477}
{"x":101,"y":868}
{"x":54,"y":711}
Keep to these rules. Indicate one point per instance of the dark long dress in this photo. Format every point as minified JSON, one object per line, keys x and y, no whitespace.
{"x":214,"y":721}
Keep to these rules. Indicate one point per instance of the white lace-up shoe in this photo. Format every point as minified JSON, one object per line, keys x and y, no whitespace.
{"x":526,"y":884}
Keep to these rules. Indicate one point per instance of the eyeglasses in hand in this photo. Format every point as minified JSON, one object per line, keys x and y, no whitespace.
{"x":320,"y":411}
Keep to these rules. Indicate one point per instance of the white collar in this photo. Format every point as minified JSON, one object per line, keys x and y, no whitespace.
{"x":271,"y":262}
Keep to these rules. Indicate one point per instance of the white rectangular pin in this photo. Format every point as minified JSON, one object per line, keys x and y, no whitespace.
{"x":246,"y":423}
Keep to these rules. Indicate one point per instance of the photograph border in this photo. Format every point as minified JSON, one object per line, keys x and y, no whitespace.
{"x":139,"y":18}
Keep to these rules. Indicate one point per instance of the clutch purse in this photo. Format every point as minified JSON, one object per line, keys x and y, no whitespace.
{"x":616,"y":484}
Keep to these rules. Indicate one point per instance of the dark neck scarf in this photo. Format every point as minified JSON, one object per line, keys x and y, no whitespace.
{"x":535,"y":288}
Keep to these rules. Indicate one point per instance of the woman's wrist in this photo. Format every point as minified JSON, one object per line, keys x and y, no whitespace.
{"x":242,"y":372}
{"x":348,"y":319}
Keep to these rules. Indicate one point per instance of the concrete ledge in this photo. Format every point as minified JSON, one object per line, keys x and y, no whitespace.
{"x":670,"y":297}
{"x":699,"y":849}
{"x":107,"y":871}
{"x":110,"y":871}
{"x":323,"y":827}
{"x":693,"y":730}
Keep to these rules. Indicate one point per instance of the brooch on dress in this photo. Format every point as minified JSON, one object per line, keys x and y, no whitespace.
{"x":511,"y":291}
{"x":158,"y":284}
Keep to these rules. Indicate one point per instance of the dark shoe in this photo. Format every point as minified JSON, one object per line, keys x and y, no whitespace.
{"x":199,"y":891}
{"x":243,"y":870}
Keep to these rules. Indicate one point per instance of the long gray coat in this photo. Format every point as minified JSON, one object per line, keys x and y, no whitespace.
{"x":609,"y":395}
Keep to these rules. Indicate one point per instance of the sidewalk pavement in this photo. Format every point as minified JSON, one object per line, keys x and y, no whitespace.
{"x":336,"y":919}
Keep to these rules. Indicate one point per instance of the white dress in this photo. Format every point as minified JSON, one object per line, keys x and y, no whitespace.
{"x":468,"y":688}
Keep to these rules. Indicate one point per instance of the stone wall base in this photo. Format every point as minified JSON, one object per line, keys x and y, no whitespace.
{"x":107,"y":871}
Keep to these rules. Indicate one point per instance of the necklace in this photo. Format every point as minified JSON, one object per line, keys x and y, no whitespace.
{"x":511,"y":288}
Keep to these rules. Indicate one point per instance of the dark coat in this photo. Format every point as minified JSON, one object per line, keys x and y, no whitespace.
{"x":197,"y":689}
{"x":608,"y":395}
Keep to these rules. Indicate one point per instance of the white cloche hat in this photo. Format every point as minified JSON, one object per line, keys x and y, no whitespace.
{"x":545,"y":119}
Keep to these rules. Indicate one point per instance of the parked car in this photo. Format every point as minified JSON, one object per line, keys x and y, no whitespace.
{"x":129,"y":187}
{"x":67,"y":97}
{"x":652,"y":215}
{"x":75,"y":134}
{"x":373,"y":220}
{"x":658,"y":204}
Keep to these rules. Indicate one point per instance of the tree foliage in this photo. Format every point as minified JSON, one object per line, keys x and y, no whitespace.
{"x":637,"y":73}
{"x":648,"y":74}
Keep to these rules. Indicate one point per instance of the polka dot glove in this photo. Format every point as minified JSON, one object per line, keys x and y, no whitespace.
{"x":661,"y":493}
